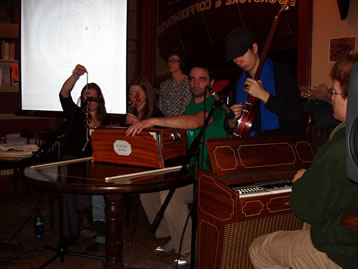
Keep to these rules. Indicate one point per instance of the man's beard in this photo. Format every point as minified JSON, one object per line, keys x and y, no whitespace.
{"x":198,"y":94}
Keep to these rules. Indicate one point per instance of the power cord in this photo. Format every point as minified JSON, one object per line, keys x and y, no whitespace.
{"x":20,"y":256}
{"x":42,"y":194}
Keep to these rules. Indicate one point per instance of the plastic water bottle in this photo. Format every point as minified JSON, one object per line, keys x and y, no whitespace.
{"x":38,"y":224}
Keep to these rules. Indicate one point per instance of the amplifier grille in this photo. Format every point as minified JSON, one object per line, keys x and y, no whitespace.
{"x":238,"y":237}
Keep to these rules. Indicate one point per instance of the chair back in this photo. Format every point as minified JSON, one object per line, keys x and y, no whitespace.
{"x":49,"y":148}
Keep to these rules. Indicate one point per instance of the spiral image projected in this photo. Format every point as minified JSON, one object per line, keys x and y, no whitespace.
{"x":58,"y":34}
{"x":66,"y":35}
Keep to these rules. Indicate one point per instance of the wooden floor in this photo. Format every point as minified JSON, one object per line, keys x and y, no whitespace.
{"x":19,"y":249}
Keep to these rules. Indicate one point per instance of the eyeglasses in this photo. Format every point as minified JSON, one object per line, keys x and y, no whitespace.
{"x":173,"y":61}
{"x":332,"y":92}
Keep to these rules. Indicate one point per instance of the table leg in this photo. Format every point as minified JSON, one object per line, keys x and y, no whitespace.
{"x":114,"y":245}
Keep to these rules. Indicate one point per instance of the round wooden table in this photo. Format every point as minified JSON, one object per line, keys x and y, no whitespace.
{"x":84,"y":176}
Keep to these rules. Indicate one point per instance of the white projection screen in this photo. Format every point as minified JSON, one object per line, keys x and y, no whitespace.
{"x":58,"y":34}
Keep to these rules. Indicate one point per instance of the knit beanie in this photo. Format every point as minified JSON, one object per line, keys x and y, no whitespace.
{"x":238,"y":42}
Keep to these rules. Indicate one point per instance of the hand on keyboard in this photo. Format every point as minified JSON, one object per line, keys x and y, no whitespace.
{"x":298,"y":175}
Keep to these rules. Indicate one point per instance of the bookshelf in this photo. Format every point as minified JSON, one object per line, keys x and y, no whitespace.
{"x":9,"y":33}
{"x":9,"y":30}
{"x":10,"y":103}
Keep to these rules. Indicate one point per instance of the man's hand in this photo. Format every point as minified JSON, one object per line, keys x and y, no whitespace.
{"x":237,"y":109}
{"x":139,"y":126}
{"x":298,"y":175}
{"x":255,"y":88}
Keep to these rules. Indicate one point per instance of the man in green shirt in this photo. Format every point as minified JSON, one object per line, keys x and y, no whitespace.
{"x":320,"y":196}
{"x":193,"y":119}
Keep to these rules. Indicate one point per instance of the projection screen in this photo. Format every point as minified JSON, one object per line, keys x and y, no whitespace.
{"x":58,"y":34}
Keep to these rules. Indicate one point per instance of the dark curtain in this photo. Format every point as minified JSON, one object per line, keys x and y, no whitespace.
{"x":304,"y":38}
{"x":146,"y":38}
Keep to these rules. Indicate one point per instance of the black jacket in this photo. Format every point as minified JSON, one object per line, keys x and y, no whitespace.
{"x":74,"y":140}
{"x":286,"y":104}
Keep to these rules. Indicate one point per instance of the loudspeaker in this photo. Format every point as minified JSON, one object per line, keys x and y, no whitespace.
{"x":352,"y":126}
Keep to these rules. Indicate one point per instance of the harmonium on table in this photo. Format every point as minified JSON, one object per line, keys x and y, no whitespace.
{"x":153,"y":147}
{"x":246,"y":194}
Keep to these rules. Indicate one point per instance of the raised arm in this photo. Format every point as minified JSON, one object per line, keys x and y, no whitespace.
{"x":71,"y":81}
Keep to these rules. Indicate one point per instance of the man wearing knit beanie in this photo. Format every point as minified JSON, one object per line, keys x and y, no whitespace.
{"x":280,"y":110}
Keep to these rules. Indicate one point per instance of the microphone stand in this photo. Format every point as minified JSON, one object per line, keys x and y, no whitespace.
{"x":194,"y":151}
{"x":87,"y":119}
{"x":61,"y":249}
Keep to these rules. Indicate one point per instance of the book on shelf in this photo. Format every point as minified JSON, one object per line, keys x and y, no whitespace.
{"x":9,"y":75}
{"x":5,"y":76}
{"x":15,"y":78}
{"x":8,"y":50}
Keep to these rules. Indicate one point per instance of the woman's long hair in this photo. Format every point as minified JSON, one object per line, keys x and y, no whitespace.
{"x":101,"y":110}
{"x":151,"y":106}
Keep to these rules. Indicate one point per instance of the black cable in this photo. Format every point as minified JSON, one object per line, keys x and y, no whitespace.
{"x":27,"y":220}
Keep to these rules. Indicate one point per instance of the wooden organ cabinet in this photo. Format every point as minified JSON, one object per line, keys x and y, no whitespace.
{"x":153,"y":147}
{"x":245,"y":195}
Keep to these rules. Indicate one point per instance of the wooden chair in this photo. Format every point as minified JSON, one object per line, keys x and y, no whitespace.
{"x":319,"y":135}
{"x":49,"y":151}
{"x":319,"y":120}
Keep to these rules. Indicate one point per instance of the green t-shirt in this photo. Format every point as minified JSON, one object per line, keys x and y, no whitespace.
{"x":215,"y":129}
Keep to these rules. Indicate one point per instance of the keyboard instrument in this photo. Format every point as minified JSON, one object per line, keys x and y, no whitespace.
{"x":264,"y":188}
{"x":246,"y":194}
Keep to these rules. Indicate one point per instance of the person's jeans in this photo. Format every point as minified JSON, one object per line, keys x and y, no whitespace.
{"x":98,"y":215}
{"x":98,"y":208}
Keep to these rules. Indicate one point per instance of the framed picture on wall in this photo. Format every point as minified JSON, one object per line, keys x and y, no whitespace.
{"x":340,"y":46}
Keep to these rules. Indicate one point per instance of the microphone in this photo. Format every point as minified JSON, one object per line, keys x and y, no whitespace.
{"x":217,"y":98}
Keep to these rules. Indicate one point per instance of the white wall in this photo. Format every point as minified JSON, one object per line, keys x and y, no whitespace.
{"x":327,"y":24}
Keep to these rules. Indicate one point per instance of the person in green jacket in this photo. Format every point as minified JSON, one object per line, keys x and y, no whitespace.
{"x":320,"y":196}
{"x":200,"y":77}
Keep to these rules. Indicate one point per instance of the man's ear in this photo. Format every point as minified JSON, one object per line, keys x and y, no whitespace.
{"x":346,"y":103}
